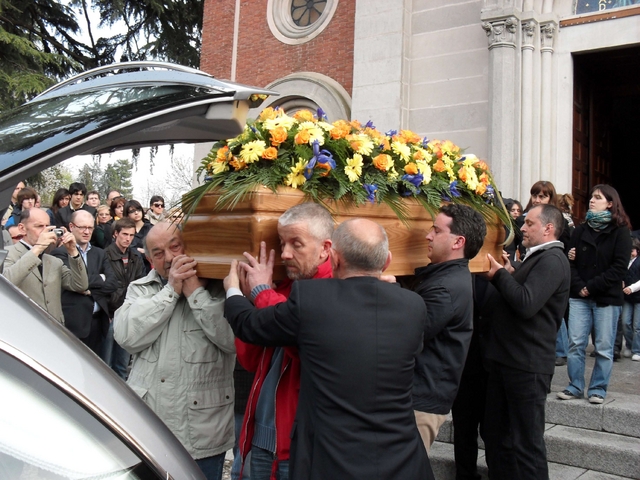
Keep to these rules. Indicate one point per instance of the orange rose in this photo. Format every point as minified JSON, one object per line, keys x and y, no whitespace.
{"x":411,"y":169}
{"x":302,"y":137}
{"x":408,"y":136}
{"x":303,"y":116}
{"x":356,"y":124}
{"x":278,"y":136}
{"x":340,"y":129}
{"x":484,"y":178}
{"x":223,"y":154}
{"x":462,"y":173}
{"x":382,"y":162}
{"x":267,"y":114}
{"x":482,"y":165}
{"x":481,"y":188}
{"x":439,"y":166}
{"x":326,"y":166}
{"x":237,"y":164}
{"x":418,"y":155}
{"x":270,"y":153}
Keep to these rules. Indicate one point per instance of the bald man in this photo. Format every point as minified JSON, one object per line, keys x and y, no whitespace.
{"x":87,"y":313}
{"x":358,"y":338}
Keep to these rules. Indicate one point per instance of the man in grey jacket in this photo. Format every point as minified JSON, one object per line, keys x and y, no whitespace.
{"x":183,"y":349}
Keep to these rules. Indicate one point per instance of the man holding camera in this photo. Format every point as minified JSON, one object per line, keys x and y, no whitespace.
{"x":39,"y":275}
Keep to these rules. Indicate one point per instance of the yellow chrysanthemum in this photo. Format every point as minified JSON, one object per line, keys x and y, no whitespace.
{"x":252,"y":151}
{"x":470,"y":160}
{"x":425,"y":170}
{"x":327,"y":127}
{"x":303,"y":116}
{"x":361,"y":143}
{"x":218,"y":167}
{"x":283,"y":120}
{"x":401,"y":149}
{"x":267,"y":114}
{"x":353,"y":170}
{"x":393,"y":174}
{"x":296,"y":178}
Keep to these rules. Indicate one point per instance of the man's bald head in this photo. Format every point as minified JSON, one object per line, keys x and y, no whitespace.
{"x":363,"y":246}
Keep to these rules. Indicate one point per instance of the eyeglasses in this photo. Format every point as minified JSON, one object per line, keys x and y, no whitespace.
{"x":134,"y":210}
{"x":84,"y":229}
{"x":158,"y":205}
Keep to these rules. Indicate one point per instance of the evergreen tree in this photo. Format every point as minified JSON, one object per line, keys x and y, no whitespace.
{"x":117,"y":176}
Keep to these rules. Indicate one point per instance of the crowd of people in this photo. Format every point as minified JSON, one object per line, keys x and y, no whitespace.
{"x":341,"y":371}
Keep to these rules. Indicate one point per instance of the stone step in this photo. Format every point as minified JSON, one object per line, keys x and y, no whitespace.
{"x":620,"y":414}
{"x":441,"y":456}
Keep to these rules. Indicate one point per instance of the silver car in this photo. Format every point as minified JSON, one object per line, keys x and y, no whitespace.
{"x":63,"y":413}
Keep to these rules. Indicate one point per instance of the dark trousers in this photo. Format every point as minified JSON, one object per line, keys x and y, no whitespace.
{"x":468,"y":414}
{"x":95,"y":337}
{"x":514,"y":419}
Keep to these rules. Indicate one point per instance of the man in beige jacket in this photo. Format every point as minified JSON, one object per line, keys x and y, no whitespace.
{"x":39,"y":275}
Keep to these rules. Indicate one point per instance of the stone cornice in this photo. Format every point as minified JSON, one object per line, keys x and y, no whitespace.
{"x":501,"y":32}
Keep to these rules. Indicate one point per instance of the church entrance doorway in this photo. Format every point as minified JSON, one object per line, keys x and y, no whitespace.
{"x":606,"y":127}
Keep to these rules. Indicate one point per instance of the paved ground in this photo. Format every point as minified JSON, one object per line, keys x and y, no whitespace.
{"x":625,"y":377}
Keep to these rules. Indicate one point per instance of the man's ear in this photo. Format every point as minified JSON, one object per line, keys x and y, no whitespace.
{"x":388,"y":262}
{"x":459,"y":243}
{"x":22,"y":229}
{"x":325,"y":249}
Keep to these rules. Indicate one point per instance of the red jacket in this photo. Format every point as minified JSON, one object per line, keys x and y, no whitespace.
{"x":257,"y":359}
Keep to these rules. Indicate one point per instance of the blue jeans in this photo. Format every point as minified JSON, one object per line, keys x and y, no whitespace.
{"x":562,"y":340}
{"x":236,"y":468}
{"x":585,"y":315}
{"x":631,"y":326}
{"x":262,"y":462}
{"x":212,"y":466}
{"x":114,"y":355}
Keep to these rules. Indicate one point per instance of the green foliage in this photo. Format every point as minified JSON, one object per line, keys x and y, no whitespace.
{"x":49,"y":181}
{"x":41,"y":43}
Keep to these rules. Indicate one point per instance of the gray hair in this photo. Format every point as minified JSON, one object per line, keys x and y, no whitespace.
{"x":362,"y":250}
{"x":318,"y":219}
{"x":553,"y":215}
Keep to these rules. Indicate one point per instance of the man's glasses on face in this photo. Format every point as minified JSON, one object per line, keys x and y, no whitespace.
{"x":158,"y":205}
{"x":82,"y":229}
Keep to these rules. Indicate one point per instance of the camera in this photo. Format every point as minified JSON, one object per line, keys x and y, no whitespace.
{"x":58,"y":231}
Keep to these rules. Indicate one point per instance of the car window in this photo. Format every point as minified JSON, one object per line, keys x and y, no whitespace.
{"x":45,"y":434}
{"x":41,"y":125}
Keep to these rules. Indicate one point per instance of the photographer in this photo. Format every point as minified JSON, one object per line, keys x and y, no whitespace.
{"x":38,"y":274}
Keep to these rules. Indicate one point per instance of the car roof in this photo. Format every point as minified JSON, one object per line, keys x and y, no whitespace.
{"x":120,"y":106}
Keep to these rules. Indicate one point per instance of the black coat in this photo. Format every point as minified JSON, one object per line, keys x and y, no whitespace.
{"x":447,"y":291}
{"x":633,"y":276}
{"x":358,"y":339}
{"x":525,"y":310}
{"x":135,"y":270}
{"x":63,"y":215}
{"x":601,"y":263}
{"x":77,"y":307}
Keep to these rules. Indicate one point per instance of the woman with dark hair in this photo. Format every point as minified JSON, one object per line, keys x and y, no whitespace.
{"x":26,"y":199}
{"x":542,"y":193}
{"x":116,"y":209}
{"x":514,"y":207}
{"x":598,"y":268}
{"x":135,"y":212}
{"x":60,"y":200}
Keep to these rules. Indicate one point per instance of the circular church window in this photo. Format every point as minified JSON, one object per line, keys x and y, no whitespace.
{"x":297,"y":21}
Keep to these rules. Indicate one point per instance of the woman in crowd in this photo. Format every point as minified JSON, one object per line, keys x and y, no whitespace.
{"x":135,"y":212}
{"x":26,"y":200}
{"x":116,"y":209}
{"x":598,"y":268}
{"x":631,"y":306}
{"x":60,"y":200}
{"x":102,"y":236}
{"x":514,"y":207}
{"x":565,"y":204}
{"x":156,"y":211}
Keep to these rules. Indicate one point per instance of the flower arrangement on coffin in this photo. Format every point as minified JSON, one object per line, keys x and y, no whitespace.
{"x":344,"y":162}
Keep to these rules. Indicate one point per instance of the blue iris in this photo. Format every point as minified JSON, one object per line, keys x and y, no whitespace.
{"x":453,"y":188}
{"x":414,"y":180}
{"x":371,"y":190}
{"x":391,"y":133}
{"x":425,"y":142}
{"x":322,"y":115}
{"x":319,"y":156}
{"x":369,"y":124}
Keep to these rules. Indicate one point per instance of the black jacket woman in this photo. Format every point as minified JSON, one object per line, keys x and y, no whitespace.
{"x":602,"y":249}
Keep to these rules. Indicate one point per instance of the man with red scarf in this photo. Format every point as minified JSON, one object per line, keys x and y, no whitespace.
{"x":305,"y":239}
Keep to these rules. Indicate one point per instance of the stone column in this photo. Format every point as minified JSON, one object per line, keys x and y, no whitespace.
{"x":504,"y":99}
{"x":528,"y":167}
{"x":547,"y":156}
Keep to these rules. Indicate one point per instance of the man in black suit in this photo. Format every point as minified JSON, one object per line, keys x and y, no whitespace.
{"x":358,"y":338}
{"x":523,"y":314}
{"x":87,"y":314}
{"x":78,"y":191}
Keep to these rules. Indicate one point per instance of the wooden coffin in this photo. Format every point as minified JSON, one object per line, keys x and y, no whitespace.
{"x":214,"y":238}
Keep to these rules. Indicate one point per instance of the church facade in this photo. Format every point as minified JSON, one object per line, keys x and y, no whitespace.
{"x":541,"y":89}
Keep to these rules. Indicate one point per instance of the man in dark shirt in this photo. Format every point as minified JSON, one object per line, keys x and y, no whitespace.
{"x":524,"y":315}
{"x":127,"y":266}
{"x":446,"y":288}
{"x":78,"y":191}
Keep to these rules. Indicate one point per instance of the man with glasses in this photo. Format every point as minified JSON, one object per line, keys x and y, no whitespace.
{"x":40,"y":276}
{"x":156,"y":211}
{"x":78,"y":191}
{"x":87,"y":313}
